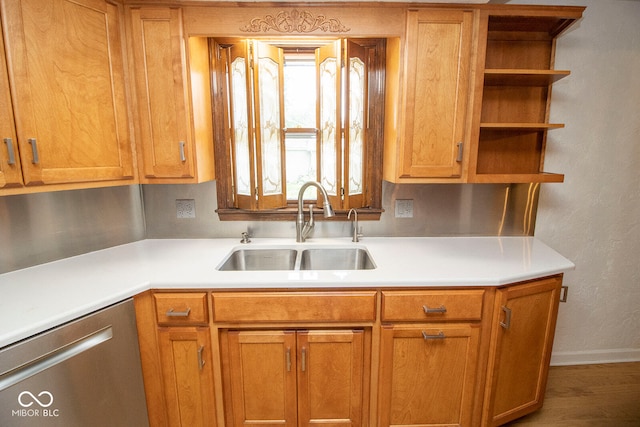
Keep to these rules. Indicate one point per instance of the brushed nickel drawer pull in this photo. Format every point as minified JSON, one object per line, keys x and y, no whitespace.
{"x":304,"y":359}
{"x":183,"y":157}
{"x":288,"y":359}
{"x":172,"y":313}
{"x":460,"y":151}
{"x":438,"y":336}
{"x":507,"y":318}
{"x":564,"y":294}
{"x":34,"y":150}
{"x":200,"y":358}
{"x":441,"y":309}
{"x":12,"y":156}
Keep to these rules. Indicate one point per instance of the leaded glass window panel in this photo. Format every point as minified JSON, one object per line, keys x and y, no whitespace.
{"x":240,"y":126}
{"x":270,"y":142}
{"x":328,"y":125}
{"x":356,"y":124}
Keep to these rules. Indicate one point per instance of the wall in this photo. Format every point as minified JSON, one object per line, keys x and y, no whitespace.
{"x":594,"y":217}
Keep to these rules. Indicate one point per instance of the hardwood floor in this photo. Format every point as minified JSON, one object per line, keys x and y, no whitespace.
{"x":606,"y":395}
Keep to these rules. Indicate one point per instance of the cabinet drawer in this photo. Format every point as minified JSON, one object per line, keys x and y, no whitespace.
{"x":181,"y":308}
{"x":294,"y":306}
{"x":432,"y":306}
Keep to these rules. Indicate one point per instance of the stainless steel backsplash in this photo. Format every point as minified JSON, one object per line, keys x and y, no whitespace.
{"x":43,"y":227}
{"x":439,"y":210}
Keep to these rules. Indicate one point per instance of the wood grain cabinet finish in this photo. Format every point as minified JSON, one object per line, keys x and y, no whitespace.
{"x":294,"y":378}
{"x":182,"y":308}
{"x":178,"y":357}
{"x":523,"y":329}
{"x":514,"y":83}
{"x":10,"y":171}
{"x":175,"y":129}
{"x":185,"y":354}
{"x":437,"y":79}
{"x":390,"y":357}
{"x":301,"y":306}
{"x":65,"y":62}
{"x":429,"y":368}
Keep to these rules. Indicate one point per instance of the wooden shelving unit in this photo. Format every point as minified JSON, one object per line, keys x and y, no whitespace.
{"x":516,"y":94}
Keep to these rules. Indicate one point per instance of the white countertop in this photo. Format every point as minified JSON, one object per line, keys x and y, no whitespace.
{"x":38,"y":298}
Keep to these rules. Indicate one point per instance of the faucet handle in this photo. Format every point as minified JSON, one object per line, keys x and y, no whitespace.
{"x":245,"y":237}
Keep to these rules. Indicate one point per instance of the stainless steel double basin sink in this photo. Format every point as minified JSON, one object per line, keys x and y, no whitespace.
{"x":292,"y":258}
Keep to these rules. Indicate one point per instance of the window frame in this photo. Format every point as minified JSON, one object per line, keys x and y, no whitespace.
{"x":374,"y":147}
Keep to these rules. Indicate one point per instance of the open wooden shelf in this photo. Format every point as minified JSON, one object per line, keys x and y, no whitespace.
{"x":534,"y":127}
{"x":522,"y":178}
{"x":518,"y":77}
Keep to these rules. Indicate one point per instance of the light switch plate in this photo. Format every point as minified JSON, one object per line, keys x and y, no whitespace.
{"x":185,"y":208}
{"x":404,"y":208}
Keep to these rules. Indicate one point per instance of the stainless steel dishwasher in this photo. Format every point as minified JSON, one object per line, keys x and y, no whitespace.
{"x":84,"y":373}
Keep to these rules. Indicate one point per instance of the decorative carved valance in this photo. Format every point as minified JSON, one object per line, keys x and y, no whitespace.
{"x":295,"y":21}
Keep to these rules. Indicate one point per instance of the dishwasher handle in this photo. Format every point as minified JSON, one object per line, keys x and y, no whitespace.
{"x":52,"y":358}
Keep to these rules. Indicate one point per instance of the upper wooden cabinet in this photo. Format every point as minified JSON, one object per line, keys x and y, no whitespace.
{"x":516,"y":73}
{"x":66,"y":73}
{"x":472,"y":101}
{"x":10,"y":173}
{"x":433,"y":130}
{"x":174,"y":117}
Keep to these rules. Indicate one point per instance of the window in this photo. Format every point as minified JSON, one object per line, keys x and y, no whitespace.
{"x":294,"y":112}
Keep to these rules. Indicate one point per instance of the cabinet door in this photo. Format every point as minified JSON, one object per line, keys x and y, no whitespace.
{"x":173,"y":94}
{"x":65,"y":63}
{"x":330,"y":378}
{"x":162,"y":93}
{"x":188,"y":376}
{"x":262,"y":375}
{"x":10,"y":175}
{"x":524,"y":326}
{"x":428,"y":374}
{"x":437,"y":85}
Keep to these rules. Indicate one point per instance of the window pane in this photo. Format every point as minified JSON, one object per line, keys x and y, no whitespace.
{"x":240,"y":126}
{"x":356,"y":124}
{"x":328,"y":125}
{"x":301,"y":164}
{"x":299,"y":93}
{"x":270,"y":127}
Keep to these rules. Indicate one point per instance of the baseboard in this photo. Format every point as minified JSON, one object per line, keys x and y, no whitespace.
{"x":595,"y":356}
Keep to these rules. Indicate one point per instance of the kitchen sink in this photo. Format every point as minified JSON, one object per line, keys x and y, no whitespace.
{"x":260,"y":259}
{"x":336,"y":259}
{"x":291,"y":258}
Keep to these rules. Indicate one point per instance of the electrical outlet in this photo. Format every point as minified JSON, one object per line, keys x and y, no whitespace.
{"x":185,"y":208}
{"x":404,"y":209}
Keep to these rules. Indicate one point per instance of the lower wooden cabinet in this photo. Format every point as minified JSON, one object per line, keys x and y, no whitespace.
{"x":524,"y":324}
{"x":185,"y":354}
{"x":291,"y":378}
{"x":391,"y":357}
{"x":428,"y":374}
